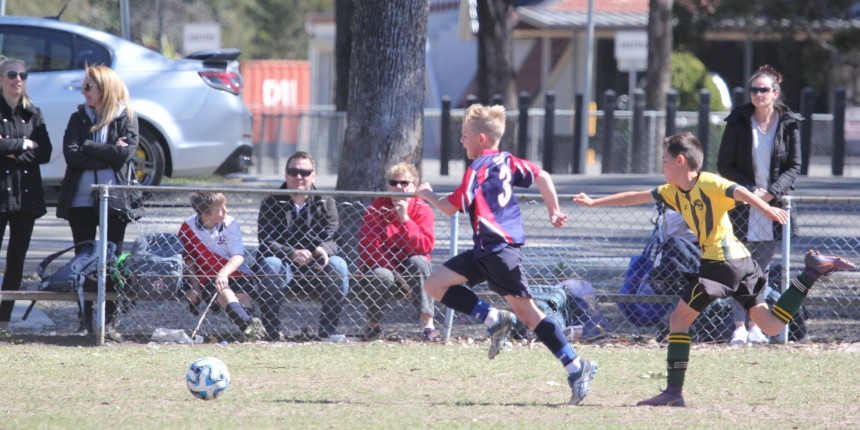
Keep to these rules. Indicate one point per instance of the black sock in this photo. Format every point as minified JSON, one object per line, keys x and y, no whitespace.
{"x":238,"y":314}
{"x":551,"y":335}
{"x":461,"y":299}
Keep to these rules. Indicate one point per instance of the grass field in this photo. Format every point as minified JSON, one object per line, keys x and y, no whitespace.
{"x":389,"y":385}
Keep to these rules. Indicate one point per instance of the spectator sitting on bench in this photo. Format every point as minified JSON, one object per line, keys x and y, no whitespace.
{"x":215,"y":258}
{"x":395,"y":242}
{"x":297,"y":247}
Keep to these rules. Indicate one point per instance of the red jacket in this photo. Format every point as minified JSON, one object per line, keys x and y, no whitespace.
{"x":386,"y":242}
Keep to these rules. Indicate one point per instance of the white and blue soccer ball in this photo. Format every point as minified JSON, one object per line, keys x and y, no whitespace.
{"x":207,"y":378}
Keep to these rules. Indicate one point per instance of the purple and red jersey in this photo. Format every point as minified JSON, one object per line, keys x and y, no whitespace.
{"x":486,"y":192}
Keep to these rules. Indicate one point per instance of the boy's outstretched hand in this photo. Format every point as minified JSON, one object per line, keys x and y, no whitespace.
{"x":557,"y":218}
{"x":583,"y":199}
{"x":776,"y":214}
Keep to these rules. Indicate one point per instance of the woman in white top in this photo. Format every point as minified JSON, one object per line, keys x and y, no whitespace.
{"x":760,"y":150}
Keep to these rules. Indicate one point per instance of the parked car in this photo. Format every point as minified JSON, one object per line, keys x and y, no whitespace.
{"x":192,"y":119}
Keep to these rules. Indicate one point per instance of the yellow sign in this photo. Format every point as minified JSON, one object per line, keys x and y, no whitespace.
{"x":592,"y":119}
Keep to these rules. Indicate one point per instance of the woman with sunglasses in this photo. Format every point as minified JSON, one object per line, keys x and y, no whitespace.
{"x":100,"y":140}
{"x":24,"y":145}
{"x":760,"y":150}
{"x":394,"y":247}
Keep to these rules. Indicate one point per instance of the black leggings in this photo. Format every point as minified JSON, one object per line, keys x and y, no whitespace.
{"x":20,"y":231}
{"x":84,"y":222}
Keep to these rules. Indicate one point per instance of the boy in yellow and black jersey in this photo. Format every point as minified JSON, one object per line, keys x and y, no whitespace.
{"x":726,"y":269}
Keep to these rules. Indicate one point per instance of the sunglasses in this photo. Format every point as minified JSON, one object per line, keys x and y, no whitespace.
{"x":87,"y":87}
{"x":13,"y":75}
{"x":394,"y":183}
{"x":296,"y":172}
{"x":762,"y":90}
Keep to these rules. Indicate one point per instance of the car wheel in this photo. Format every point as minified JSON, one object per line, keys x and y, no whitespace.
{"x":149,"y":158}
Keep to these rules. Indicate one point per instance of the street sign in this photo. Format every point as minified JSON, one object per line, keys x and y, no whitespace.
{"x":631,"y":50}
{"x":199,"y":37}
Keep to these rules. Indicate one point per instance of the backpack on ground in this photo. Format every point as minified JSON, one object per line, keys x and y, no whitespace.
{"x":553,"y":301}
{"x":153,"y":270}
{"x":583,"y":310}
{"x":78,"y":275}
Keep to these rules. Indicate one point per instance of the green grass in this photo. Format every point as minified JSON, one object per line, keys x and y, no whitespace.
{"x":385,"y":385}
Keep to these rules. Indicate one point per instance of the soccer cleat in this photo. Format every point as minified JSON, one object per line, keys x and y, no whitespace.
{"x":255,"y":330}
{"x":499,"y":333}
{"x":667,"y":398}
{"x":580,"y":382}
{"x":739,"y":336}
{"x":428,"y":335}
{"x":826,"y":264}
{"x":372,"y":333}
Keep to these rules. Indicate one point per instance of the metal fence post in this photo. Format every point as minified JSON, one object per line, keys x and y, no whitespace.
{"x":608,"y":128}
{"x":445,"y":136}
{"x":671,"y":113}
{"x":838,"y":163}
{"x":704,"y":124}
{"x":786,"y":256}
{"x":549,"y":131}
{"x":634,"y":154}
{"x":523,"y":126}
{"x":262,"y":143}
{"x":806,"y":102}
{"x":578,"y":118}
{"x":739,"y":95}
{"x":104,"y":193}
{"x":497,"y":100}
{"x":452,"y":252}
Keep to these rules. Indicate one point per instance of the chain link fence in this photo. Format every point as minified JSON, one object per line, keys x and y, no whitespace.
{"x":321,"y":131}
{"x":600,"y":249}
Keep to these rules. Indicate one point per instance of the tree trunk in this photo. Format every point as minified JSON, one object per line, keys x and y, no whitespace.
{"x":386,"y":91}
{"x":659,"y":73}
{"x":342,"y":50}
{"x":496,"y":73}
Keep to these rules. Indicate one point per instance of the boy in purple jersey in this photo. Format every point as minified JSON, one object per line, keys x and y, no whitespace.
{"x":486,"y":193}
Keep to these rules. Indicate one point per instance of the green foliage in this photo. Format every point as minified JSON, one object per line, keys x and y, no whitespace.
{"x":689,"y":76}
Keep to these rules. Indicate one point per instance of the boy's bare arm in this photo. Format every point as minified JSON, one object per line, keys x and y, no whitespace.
{"x":628,"y":198}
{"x":772,"y":213}
{"x":547,"y":191}
{"x":221,"y":281}
{"x":425,"y":191}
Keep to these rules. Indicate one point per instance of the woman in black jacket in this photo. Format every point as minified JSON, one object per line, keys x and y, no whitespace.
{"x":98,"y":145}
{"x":761,"y":151}
{"x":24,"y":145}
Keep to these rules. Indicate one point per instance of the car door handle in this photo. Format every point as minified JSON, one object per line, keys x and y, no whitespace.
{"x":74,"y":85}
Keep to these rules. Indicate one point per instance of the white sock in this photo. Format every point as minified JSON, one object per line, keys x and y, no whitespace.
{"x":492,"y":317}
{"x":574,"y":366}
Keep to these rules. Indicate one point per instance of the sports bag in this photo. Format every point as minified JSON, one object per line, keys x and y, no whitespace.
{"x":553,"y":301}
{"x":79,"y":274}
{"x":154,"y":269}
{"x":583,"y":310}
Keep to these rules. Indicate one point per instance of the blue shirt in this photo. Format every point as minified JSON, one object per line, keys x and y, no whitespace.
{"x":486,"y":192}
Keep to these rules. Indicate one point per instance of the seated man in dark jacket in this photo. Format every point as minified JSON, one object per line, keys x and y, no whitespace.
{"x":296,"y":235}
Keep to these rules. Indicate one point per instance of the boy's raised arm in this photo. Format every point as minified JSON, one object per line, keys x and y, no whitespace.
{"x":627,"y":198}
{"x":425,"y":191}
{"x":772,"y":213}
{"x":547,"y":191}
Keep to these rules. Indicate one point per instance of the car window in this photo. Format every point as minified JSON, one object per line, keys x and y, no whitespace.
{"x":90,"y":53}
{"x":41,"y":50}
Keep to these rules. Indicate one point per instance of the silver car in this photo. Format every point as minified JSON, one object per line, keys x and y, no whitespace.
{"x":192,"y":119}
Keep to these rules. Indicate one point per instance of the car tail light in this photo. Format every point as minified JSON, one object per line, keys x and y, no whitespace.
{"x":222,"y":80}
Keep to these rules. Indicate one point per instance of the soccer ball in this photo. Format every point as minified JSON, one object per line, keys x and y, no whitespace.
{"x":207,"y":378}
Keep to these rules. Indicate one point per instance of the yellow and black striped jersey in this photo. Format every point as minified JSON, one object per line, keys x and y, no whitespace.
{"x":705,"y":208}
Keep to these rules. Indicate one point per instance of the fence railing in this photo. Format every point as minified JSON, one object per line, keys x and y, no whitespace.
{"x":595,"y":247}
{"x":615,"y":144}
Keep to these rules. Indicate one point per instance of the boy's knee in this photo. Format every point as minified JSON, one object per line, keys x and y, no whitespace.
{"x":271,"y":266}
